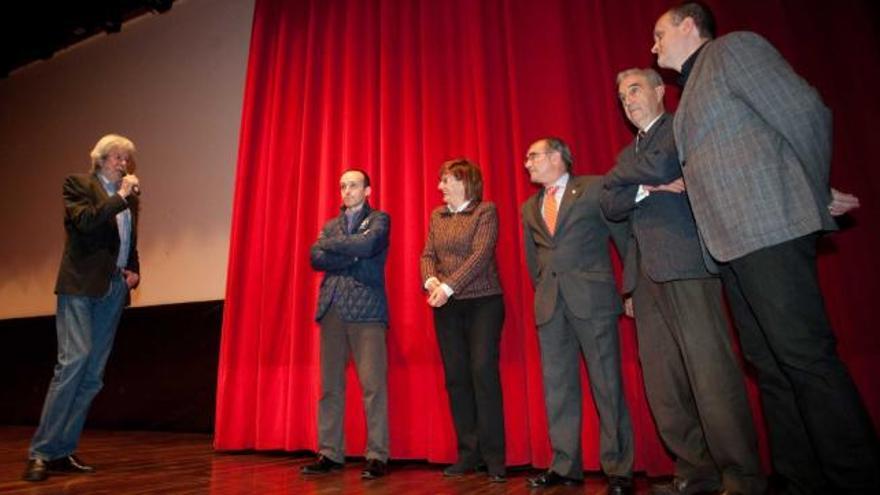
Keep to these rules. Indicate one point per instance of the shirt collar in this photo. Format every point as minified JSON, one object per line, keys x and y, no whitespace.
{"x":354,"y":211}
{"x":649,"y":126}
{"x":561,"y":182}
{"x":460,"y":208}
{"x":688,"y":65}
{"x":108,"y":186}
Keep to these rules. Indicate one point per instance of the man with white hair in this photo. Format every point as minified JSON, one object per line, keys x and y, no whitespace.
{"x":692,"y":378}
{"x":98,"y":269}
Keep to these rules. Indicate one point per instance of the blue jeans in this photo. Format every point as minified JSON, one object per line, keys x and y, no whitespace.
{"x":86,"y":327}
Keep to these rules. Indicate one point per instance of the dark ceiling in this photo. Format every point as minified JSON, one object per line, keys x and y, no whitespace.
{"x":36,"y":29}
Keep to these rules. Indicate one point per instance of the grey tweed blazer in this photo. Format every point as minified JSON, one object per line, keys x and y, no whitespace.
{"x":754,"y":140}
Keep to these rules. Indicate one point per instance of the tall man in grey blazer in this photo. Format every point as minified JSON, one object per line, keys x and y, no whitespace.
{"x":576,"y":311}
{"x":692,"y":378}
{"x":754,"y":141}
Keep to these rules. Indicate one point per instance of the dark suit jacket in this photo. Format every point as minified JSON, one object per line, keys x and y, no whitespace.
{"x":92,"y":237}
{"x":664,"y":239}
{"x":353,"y":266}
{"x":573,"y":263}
{"x":754,"y":140}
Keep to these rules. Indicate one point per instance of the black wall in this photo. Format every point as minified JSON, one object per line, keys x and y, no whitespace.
{"x":162,"y":373}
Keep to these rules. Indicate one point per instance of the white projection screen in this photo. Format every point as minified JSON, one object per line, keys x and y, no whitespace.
{"x":171,"y":82}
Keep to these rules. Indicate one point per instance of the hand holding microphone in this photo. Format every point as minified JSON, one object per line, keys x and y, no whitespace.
{"x":129,"y":185}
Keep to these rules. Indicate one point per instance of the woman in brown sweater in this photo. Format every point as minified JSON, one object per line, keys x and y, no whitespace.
{"x":460,"y":276}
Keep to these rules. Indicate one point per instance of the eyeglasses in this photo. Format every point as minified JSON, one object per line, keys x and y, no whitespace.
{"x":533,"y":155}
{"x":119,"y":157}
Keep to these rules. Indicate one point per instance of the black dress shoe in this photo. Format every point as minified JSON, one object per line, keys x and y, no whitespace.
{"x":497,"y":478}
{"x":619,"y":485}
{"x":679,"y":486}
{"x":374,"y":469}
{"x":551,"y":478}
{"x":461,"y":468}
{"x":70,"y":464}
{"x":36,"y":470}
{"x":322,"y":466}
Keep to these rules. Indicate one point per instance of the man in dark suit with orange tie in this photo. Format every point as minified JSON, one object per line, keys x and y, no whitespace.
{"x":576,"y":310}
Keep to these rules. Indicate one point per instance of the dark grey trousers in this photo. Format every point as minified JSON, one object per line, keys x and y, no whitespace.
{"x":821,"y":438}
{"x":694,"y":384}
{"x":563,"y":340}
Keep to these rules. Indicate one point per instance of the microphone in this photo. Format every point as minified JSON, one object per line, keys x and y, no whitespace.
{"x":135,"y":188}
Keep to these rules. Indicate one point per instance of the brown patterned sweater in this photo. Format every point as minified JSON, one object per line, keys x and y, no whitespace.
{"x":460,"y":250}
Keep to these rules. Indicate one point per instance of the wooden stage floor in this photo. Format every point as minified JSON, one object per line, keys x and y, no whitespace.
{"x":135,"y":462}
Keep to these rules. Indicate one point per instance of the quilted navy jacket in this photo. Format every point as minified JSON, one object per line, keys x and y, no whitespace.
{"x":354,"y":266}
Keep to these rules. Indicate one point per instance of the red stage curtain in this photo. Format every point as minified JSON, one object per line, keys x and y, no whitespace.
{"x":398,"y":86}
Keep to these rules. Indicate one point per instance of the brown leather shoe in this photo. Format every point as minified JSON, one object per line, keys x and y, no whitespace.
{"x":36,"y":470}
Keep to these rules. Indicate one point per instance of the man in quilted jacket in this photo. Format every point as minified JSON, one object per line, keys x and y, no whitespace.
{"x":353,"y":314}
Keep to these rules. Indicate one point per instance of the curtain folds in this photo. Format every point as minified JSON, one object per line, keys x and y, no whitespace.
{"x":398,"y":86}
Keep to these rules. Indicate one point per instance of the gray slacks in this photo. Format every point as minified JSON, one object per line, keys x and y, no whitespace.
{"x":563,"y":340}
{"x":694,"y":383}
{"x":366,"y":343}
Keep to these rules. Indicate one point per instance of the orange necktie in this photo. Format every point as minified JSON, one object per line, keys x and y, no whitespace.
{"x":551,"y":209}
